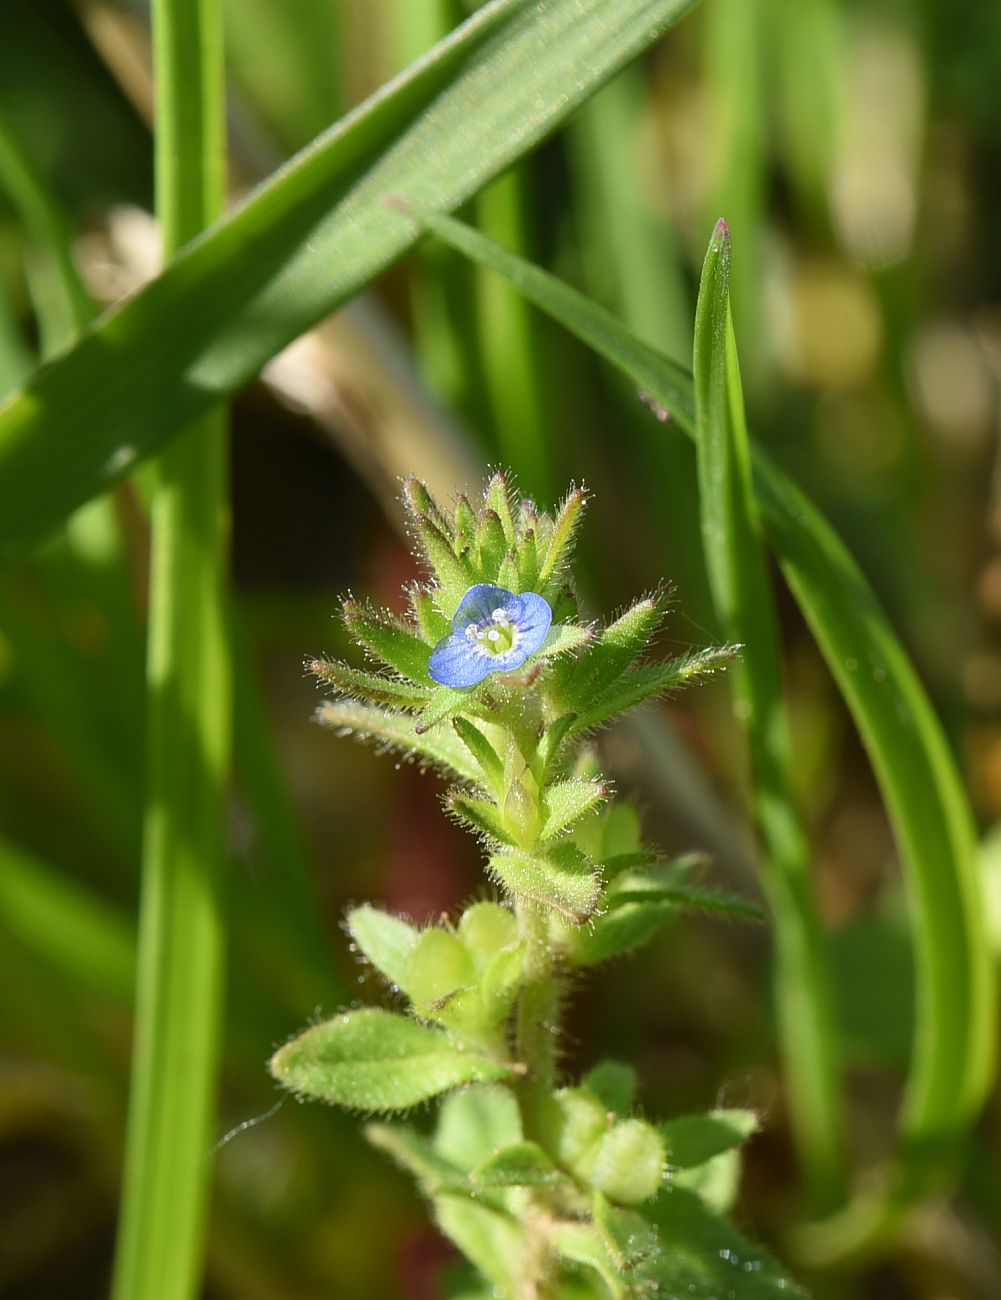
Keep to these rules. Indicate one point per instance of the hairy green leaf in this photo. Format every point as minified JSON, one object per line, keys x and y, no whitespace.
{"x":374,"y":1060}
{"x":398,"y":731}
{"x":387,"y":941}
{"x":562,"y":880}
{"x":693,"y":1139}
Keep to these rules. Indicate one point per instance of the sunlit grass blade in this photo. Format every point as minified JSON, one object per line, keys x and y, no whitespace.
{"x":738,"y":576}
{"x":179,"y":999}
{"x":954,"y":1050}
{"x":315,"y":234}
{"x":509,"y":346}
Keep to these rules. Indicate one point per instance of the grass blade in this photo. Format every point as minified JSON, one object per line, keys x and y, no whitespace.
{"x":955,"y":1042}
{"x":738,"y":576}
{"x":311,"y":237}
{"x":179,"y":977}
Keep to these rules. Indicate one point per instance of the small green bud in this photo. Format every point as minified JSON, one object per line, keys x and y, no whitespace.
{"x":629,"y":1162}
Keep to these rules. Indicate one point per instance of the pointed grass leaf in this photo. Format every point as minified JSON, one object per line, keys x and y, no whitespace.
{"x":955,"y":1040}
{"x":738,"y":578}
{"x":374,"y":1060}
{"x":562,"y":880}
{"x":305,"y":242}
{"x":397,"y":731}
{"x":693,"y":1139}
{"x":386,"y":941}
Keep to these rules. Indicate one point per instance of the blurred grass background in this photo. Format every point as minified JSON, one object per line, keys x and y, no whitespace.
{"x":855,"y":151}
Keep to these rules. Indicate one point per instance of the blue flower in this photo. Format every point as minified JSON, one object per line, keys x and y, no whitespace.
{"x":493,"y":631}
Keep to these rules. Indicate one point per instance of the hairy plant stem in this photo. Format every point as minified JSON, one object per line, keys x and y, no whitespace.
{"x":536,"y":1031}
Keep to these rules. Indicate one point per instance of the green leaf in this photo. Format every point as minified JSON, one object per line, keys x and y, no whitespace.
{"x":442,"y":703}
{"x":369,"y":687}
{"x":716,"y":1183}
{"x":662,"y":884}
{"x":389,"y":641}
{"x":614,"y":1084}
{"x":481,"y":749}
{"x":566,"y":802}
{"x":564,"y":639}
{"x":619,"y":931}
{"x":385,"y":940}
{"x":702,"y":1257}
{"x":438,"y":966}
{"x":955,"y":1038}
{"x":629,"y":1237}
{"x":491,"y":1239}
{"x":650,"y":682}
{"x":481,"y":815}
{"x":562,"y":880}
{"x":586,"y":1245}
{"x":475,"y":1123}
{"x":486,"y":928}
{"x":738,"y":577}
{"x":397,"y":731}
{"x":524,"y":1164}
{"x":305,"y":242}
{"x":375,"y":1060}
{"x":612,"y":653}
{"x":693,"y":1139}
{"x":560,"y":546}
{"x":417,"y":1155}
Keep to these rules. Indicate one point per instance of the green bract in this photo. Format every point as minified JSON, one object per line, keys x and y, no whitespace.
{"x":548,"y":1190}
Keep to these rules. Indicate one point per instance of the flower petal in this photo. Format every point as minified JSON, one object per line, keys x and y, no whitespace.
{"x":533,"y":619}
{"x":456,"y":661}
{"x":479,"y":603}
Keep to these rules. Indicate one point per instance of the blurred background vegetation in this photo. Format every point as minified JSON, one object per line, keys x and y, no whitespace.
{"x":855,"y":149}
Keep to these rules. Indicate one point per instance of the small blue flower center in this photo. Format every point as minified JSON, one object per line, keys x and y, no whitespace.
{"x":495,"y":635}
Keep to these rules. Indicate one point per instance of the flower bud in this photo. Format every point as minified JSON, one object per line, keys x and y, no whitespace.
{"x":629,"y":1162}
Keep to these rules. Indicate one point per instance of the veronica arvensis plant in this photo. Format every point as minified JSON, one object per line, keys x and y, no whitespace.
{"x":550,"y":1189}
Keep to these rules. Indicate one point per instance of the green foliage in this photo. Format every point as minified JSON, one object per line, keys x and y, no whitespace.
{"x":954,"y":1045}
{"x":532,"y":1182}
{"x":373,"y":1060}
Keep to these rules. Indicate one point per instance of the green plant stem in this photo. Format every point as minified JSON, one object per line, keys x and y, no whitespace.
{"x":179,"y":985}
{"x":538,"y":1005}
